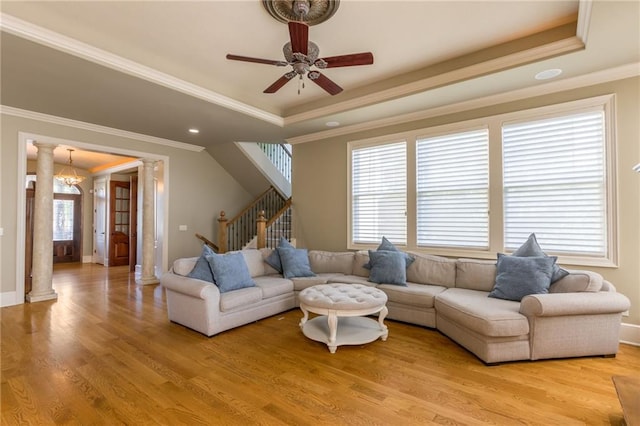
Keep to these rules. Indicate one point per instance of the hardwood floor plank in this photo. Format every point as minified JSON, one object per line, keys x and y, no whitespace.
{"x":104,"y":353}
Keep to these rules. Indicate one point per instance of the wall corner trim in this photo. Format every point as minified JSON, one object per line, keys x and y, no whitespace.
{"x":630,"y":334}
{"x":23,"y":113}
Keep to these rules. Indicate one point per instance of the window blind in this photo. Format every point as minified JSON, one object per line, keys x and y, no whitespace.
{"x":453,"y":190}
{"x":379,"y":193}
{"x":554,"y":183}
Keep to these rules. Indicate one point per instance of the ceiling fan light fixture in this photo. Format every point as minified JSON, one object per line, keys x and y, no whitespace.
{"x":312,"y":12}
{"x":68,"y":174}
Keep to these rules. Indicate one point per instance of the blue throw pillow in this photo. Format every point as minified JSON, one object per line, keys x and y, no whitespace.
{"x":202,"y":270}
{"x":387,"y":245}
{"x":230,"y":271}
{"x":388,"y":267}
{"x":274,"y":258}
{"x":531,"y":248}
{"x":295,"y":262}
{"x":519,"y":276}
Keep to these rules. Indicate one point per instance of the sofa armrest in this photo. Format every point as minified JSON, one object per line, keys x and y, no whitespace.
{"x":190,"y":286}
{"x":584,"y":303}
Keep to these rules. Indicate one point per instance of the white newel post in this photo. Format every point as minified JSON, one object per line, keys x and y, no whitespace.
{"x":148,"y":228}
{"x":42,"y":266}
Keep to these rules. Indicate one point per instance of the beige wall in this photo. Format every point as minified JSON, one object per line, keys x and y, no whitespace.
{"x":198,"y":188}
{"x":320,"y":180}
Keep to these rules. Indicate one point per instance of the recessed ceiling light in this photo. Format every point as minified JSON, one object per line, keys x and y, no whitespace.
{"x":547,"y":74}
{"x":194,"y":131}
{"x":332,"y":123}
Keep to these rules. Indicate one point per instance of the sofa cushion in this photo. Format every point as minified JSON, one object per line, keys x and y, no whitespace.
{"x":388,"y":267}
{"x":202,"y":269}
{"x":531,"y":248}
{"x":520,"y":276}
{"x":578,"y":281}
{"x":360,"y":258}
{"x":436,"y":270}
{"x":273,"y":285}
{"x":484,"y":315}
{"x":230,"y":271}
{"x":300,"y":283}
{"x":326,"y":261}
{"x":295,"y":262}
{"x":475,"y":274}
{"x":273,"y":259}
{"x":351,"y":279}
{"x":239,"y":298}
{"x":254,"y":261}
{"x":418,"y":295}
{"x":184,"y":265}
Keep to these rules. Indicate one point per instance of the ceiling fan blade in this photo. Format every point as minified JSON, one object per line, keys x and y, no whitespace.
{"x":280,"y":82}
{"x":299,"y":34}
{"x":365,"y":58}
{"x":256,"y":60}
{"x":324,"y":82}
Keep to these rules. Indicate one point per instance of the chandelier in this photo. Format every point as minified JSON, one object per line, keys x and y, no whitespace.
{"x":68,"y":174}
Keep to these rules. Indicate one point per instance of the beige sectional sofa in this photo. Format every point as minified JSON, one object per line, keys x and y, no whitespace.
{"x":580,"y":316}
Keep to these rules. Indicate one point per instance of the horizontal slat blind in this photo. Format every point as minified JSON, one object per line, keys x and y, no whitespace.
{"x":379,"y":193}
{"x":554,"y":183}
{"x":453,"y":190}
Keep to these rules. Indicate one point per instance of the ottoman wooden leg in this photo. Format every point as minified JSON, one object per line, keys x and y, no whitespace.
{"x":332,"y":320}
{"x":305,"y":317}
{"x":381,"y":316}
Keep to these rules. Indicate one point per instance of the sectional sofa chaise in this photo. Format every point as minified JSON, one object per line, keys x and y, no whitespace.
{"x":579,"y":316}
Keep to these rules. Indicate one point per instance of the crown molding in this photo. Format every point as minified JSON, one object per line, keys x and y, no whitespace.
{"x":584,"y":18}
{"x":487,"y":67}
{"x":618,"y":73}
{"x":29,"y":31}
{"x":32,"y":115}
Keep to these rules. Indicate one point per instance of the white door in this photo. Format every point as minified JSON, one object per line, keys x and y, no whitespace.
{"x":99,"y":221}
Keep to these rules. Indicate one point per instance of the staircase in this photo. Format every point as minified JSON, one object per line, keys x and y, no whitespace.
{"x":265,"y":220}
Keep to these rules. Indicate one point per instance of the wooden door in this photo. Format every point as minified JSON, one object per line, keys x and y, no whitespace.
{"x":119,"y":225}
{"x":133,"y":220}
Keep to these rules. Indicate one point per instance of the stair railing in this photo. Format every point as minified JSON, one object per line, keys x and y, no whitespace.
{"x":280,"y":156}
{"x":234,"y":234}
{"x":270,"y":231}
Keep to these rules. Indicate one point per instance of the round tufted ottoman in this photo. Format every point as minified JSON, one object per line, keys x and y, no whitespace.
{"x":349,"y":302}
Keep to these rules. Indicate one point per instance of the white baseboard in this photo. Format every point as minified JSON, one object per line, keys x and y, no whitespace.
{"x":8,"y":299}
{"x":630,"y":334}
{"x":87,"y":259}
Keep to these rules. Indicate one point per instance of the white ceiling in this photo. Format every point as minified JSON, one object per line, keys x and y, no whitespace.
{"x":158,"y":68}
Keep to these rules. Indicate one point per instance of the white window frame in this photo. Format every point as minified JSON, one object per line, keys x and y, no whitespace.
{"x":494,"y":124}
{"x":606,"y":104}
{"x":351,"y":146}
{"x":449,"y":131}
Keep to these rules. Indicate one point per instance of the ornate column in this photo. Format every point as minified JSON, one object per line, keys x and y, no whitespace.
{"x":148,"y":225}
{"x":42,"y":261}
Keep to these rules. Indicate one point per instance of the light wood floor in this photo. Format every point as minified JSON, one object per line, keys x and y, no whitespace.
{"x":104,"y":353}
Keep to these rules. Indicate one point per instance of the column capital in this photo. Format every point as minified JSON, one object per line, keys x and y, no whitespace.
{"x":45,"y":146}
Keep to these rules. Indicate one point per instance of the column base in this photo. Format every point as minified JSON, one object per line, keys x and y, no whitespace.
{"x":31,"y":298}
{"x":147,"y":280}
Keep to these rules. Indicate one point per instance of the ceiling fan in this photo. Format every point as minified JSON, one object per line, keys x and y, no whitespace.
{"x":302,"y":55}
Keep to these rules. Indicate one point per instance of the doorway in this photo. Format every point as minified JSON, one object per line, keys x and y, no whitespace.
{"x":27,"y":152}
